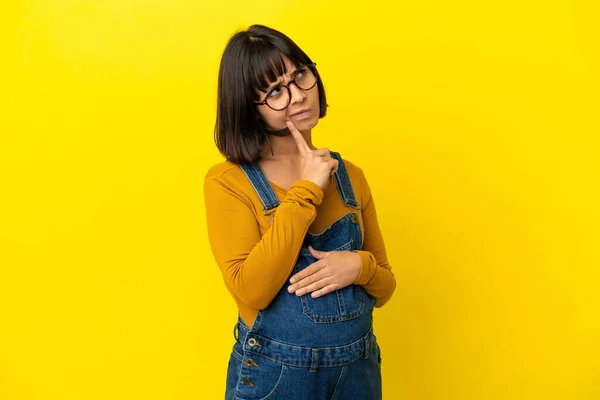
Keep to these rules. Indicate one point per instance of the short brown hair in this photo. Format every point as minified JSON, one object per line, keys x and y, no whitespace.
{"x":252,"y":60}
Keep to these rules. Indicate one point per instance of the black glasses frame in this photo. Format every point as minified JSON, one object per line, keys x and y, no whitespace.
{"x":314,"y":71}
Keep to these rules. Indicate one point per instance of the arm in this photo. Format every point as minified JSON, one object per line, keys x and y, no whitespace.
{"x":375,"y":275}
{"x":255,"y":268}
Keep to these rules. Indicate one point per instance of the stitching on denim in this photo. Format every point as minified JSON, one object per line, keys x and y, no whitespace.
{"x":278,"y":385}
{"x":343,"y":181}
{"x":338,"y":384}
{"x":265,"y":191}
{"x":266,"y":186}
{"x":238,"y":355}
{"x":266,"y":339}
{"x":330,"y":227}
{"x":319,"y":320}
{"x":239,"y":374}
{"x":352,"y":357}
{"x":247,"y":171}
{"x":307,"y":364}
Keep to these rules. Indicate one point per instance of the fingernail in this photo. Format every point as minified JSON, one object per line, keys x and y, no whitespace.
{"x":292,"y":280}
{"x":291,"y":289}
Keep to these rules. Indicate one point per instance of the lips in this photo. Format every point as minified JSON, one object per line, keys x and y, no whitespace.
{"x":301,"y":113}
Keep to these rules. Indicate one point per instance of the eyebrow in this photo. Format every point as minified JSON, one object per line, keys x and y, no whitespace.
{"x":279,"y":82}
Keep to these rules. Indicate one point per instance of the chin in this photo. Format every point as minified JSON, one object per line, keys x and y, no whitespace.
{"x":307,"y":125}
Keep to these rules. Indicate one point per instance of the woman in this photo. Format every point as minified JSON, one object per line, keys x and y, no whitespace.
{"x":294,"y":231}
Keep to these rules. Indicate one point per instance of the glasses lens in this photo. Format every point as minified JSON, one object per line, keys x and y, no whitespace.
{"x":305,"y":78}
{"x":279,"y":98}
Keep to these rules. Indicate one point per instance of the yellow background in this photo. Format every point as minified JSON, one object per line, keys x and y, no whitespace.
{"x":476,"y":123}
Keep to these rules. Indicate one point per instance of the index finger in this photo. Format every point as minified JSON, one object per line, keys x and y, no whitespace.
{"x":308,"y":271}
{"x":300,"y":142}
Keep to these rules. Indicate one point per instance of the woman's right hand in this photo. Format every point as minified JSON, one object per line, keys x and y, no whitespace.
{"x":316,"y":165}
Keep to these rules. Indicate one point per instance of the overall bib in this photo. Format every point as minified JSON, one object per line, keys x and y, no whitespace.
{"x":305,"y":348}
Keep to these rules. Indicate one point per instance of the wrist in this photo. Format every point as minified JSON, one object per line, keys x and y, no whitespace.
{"x":358,"y":262}
{"x":367,"y":267}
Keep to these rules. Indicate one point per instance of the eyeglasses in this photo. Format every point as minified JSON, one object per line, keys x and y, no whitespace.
{"x":278,"y":99}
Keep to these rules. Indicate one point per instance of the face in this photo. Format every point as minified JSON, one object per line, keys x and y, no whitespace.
{"x":303,"y":109}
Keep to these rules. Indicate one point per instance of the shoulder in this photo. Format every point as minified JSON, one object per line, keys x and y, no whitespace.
{"x":354,"y":171}
{"x":218,"y":170}
{"x":352,"y":168}
{"x":228,"y":177}
{"x":226,"y":172}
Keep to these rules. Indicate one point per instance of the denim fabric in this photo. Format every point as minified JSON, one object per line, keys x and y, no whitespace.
{"x":305,"y":348}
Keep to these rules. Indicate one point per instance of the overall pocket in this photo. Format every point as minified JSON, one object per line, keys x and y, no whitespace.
{"x":260,"y":378}
{"x":341,"y":305}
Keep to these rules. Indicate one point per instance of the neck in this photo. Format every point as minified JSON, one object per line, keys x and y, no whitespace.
{"x":279,"y":147}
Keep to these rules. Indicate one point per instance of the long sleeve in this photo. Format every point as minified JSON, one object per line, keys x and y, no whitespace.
{"x":255,"y":268}
{"x":376,"y":275}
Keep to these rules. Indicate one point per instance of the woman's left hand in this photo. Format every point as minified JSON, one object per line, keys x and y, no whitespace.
{"x":334,"y":270}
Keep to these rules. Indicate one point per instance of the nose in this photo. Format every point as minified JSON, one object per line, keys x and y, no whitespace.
{"x":298,"y":95}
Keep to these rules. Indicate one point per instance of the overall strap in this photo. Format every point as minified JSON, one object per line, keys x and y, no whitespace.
{"x":260,"y":183}
{"x":269,"y":199}
{"x":343,"y":184}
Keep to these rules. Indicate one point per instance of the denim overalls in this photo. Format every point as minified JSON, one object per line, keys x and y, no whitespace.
{"x":305,"y":348}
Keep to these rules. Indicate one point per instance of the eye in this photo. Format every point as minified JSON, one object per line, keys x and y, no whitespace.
{"x":274,"y":93}
{"x":301,"y":73}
